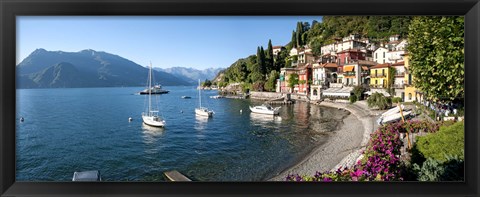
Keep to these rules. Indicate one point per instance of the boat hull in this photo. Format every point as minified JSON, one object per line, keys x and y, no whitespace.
{"x":155,"y":92}
{"x":260,"y":111}
{"x":153,"y":121}
{"x":203,"y":112}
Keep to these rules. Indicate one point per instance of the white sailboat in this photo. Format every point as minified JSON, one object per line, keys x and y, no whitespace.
{"x":151,"y":115}
{"x":202,"y":111}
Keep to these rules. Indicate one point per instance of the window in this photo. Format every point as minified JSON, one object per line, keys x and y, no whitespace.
{"x":376,"y":73}
{"x":409,"y":96}
{"x":376,"y":55}
{"x":383,"y":72}
{"x":315,"y":92}
{"x":384,"y":55}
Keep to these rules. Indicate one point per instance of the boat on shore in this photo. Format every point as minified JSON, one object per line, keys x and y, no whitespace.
{"x":392,"y":117}
{"x":186,"y":97}
{"x":156,"y":89}
{"x":265,"y":109}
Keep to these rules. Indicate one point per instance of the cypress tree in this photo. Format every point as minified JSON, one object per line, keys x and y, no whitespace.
{"x":294,"y":39}
{"x":269,"y":63}
{"x":299,"y":34}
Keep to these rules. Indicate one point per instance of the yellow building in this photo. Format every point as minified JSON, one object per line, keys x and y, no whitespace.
{"x":379,"y":76}
{"x":411,"y":93}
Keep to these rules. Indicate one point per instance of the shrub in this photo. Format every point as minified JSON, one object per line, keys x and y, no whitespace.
{"x":378,"y":100}
{"x":396,"y":100}
{"x":352,"y":98}
{"x":434,"y":170}
{"x":358,"y":92}
{"x":449,"y":140}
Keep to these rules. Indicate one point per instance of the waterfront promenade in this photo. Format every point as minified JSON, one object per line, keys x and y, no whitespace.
{"x":345,"y":145}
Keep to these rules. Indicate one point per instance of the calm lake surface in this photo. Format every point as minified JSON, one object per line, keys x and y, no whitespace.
{"x":78,"y":129}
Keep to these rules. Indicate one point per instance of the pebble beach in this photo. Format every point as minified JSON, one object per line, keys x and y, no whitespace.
{"x":343,"y":148}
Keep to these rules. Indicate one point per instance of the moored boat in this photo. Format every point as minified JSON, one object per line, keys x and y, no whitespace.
{"x":265,"y":109}
{"x":157,"y":89}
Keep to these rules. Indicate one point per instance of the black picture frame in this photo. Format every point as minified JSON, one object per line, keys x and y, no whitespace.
{"x":10,"y":8}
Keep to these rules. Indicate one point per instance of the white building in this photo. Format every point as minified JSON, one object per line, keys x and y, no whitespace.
{"x":380,"y":55}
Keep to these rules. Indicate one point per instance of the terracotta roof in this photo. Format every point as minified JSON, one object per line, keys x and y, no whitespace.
{"x":329,"y":65}
{"x":364,"y":68}
{"x":276,"y":47}
{"x":386,"y":65}
{"x":399,"y":64}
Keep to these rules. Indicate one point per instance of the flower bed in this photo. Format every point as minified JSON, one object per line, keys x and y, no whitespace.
{"x":381,"y":158}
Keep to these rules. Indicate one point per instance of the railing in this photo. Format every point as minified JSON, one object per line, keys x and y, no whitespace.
{"x":349,"y":73}
{"x":377,"y":76}
{"x":398,"y":86}
{"x":400,"y":74}
{"x":377,"y":86}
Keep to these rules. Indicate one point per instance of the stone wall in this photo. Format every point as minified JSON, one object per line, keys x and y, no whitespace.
{"x":266,"y":95}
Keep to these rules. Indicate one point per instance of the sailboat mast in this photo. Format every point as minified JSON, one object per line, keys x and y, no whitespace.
{"x":150,"y":89}
{"x":199,"y":95}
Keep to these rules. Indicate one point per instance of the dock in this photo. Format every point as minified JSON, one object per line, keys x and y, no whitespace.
{"x":176,"y":176}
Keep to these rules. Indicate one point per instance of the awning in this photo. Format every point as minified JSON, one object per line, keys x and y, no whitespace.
{"x":343,"y":92}
{"x":348,"y":68}
{"x":364,"y":68}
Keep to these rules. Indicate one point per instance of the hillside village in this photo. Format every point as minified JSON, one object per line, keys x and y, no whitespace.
{"x":348,"y":62}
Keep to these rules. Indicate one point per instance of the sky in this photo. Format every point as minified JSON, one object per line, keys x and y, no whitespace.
{"x":167,"y":41}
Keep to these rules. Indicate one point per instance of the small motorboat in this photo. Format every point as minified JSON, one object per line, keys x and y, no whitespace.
{"x":265,"y":109}
{"x":186,"y":97}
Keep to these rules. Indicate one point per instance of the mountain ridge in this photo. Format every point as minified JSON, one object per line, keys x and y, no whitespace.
{"x":86,"y":68}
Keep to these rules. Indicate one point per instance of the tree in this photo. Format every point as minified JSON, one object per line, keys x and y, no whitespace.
{"x":269,"y":63}
{"x":292,"y":80}
{"x":294,"y":40}
{"x":436,"y":48}
{"x":207,"y":83}
{"x":280,"y":60}
{"x":391,"y":80}
{"x":298,"y":36}
{"x":272,"y":80}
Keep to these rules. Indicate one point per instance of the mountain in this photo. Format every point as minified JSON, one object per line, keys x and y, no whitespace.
{"x":87,"y":68}
{"x":192,"y":75}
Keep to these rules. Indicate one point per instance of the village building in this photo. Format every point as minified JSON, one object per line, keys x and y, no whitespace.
{"x":283,"y":81}
{"x":304,"y":77}
{"x":411,"y":92}
{"x":398,"y":84}
{"x":277,"y":49}
{"x":322,"y":76}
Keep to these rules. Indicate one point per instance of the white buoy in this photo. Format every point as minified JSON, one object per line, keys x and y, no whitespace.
{"x":240,"y":111}
{"x":130,"y":119}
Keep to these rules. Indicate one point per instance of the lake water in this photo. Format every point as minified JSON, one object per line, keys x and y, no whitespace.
{"x":78,"y":129}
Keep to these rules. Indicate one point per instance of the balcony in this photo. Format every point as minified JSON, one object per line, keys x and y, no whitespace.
{"x":398,"y":86}
{"x":377,"y":86}
{"x":377,"y":76}
{"x":400,"y":74}
{"x":349,"y":74}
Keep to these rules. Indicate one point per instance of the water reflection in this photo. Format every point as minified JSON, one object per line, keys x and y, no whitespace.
{"x":200,"y":122}
{"x":262,"y":119}
{"x":151,"y":134}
